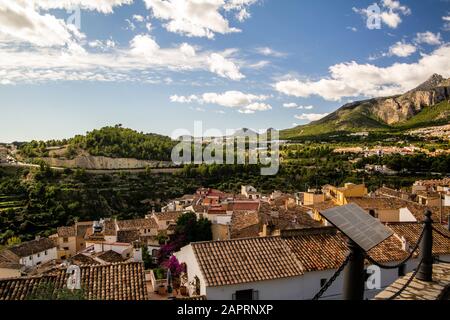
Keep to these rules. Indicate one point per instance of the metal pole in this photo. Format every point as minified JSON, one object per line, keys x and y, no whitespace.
{"x":354,"y":276}
{"x":425,"y":272}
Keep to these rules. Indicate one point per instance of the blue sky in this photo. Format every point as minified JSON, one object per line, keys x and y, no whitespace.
{"x":157,"y":66}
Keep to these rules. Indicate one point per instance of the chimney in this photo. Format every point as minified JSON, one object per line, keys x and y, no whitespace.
{"x":405,"y":246}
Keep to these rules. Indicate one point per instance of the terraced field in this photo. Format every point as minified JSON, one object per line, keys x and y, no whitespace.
{"x":11,"y":202}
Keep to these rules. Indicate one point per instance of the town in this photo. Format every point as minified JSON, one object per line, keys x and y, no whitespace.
{"x":252,"y":246}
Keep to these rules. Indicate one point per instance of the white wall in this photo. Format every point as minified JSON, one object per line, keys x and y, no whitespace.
{"x":406,"y":215}
{"x":186,"y":255}
{"x":40,"y":257}
{"x":293,"y":288}
{"x":447,"y":200}
{"x":120,"y":249}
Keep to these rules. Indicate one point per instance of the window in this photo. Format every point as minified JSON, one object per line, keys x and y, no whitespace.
{"x":402,"y":270}
{"x":249,"y":294}
{"x":31,"y":258}
{"x":323,"y":281}
{"x":45,"y":252}
{"x":65,"y":239}
{"x":66,"y":248}
{"x":38,"y":255}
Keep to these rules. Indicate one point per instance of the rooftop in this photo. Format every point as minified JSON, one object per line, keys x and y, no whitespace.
{"x":32,"y":247}
{"x":438,"y":289}
{"x":136,"y":224}
{"x":170,"y":215}
{"x":120,"y":281}
{"x":256,"y":259}
{"x":244,"y":224}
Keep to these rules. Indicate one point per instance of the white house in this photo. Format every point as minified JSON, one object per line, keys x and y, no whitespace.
{"x":33,"y":253}
{"x":292,"y":268}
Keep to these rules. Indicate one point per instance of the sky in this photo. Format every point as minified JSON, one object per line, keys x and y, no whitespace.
{"x":70,"y":66}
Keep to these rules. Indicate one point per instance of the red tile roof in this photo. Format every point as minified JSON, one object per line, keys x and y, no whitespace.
{"x":120,"y":281}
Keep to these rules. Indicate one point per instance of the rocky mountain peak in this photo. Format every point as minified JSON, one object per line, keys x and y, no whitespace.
{"x":431,"y":83}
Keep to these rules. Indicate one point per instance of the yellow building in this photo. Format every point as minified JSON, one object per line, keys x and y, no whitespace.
{"x":349,"y":190}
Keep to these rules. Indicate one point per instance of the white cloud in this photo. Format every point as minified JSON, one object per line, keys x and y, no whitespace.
{"x":103,"y":6}
{"x":311,"y":116}
{"x":290,"y":105}
{"x":447,"y":23}
{"x":225,"y":68}
{"x":130,"y":25}
{"x":352,"y":79}
{"x":20,"y":22}
{"x":266,"y":51}
{"x":244,"y":102}
{"x":144,"y":55}
{"x":258,"y":65}
{"x":391,"y":18}
{"x":306,"y":107}
{"x":232,"y":99}
{"x":198,"y":18}
{"x":103,"y":45}
{"x":402,"y":49}
{"x":429,"y":38}
{"x":138,"y":18}
{"x":184,"y":99}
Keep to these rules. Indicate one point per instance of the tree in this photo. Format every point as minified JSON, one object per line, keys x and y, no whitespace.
{"x":146,"y":258}
{"x":13,"y":241}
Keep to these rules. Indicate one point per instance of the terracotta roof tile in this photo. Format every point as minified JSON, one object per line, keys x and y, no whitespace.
{"x":82,"y":259}
{"x":256,"y":259}
{"x":245,"y":260}
{"x":136,"y":224}
{"x":244,"y":224}
{"x":66,"y":231}
{"x":171,"y":215}
{"x":110,"y":256}
{"x":121,"y":281}
{"x":31,"y":247}
{"x":411,"y":232}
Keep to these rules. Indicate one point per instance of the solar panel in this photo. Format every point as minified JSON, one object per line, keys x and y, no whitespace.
{"x":358,"y":225}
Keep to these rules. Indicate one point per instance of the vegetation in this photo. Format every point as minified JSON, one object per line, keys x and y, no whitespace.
{"x":48,"y":291}
{"x":36,"y":201}
{"x":410,"y":163}
{"x":115,"y":142}
{"x":356,"y":117}
{"x":188,"y":229}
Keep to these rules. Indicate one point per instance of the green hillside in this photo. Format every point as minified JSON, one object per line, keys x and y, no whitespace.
{"x":352,"y":117}
{"x":115,"y":142}
{"x":431,"y":116}
{"x":356,"y":117}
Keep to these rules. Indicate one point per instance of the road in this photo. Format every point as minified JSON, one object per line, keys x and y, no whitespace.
{"x":96,"y":171}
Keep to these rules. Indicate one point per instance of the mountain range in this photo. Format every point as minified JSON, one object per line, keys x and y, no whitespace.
{"x":426,"y":105}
